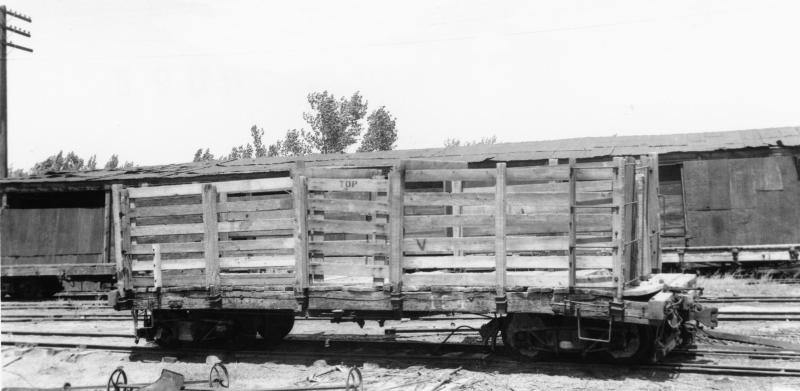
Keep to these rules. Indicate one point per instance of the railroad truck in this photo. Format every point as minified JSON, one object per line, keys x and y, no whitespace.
{"x":564,"y":257}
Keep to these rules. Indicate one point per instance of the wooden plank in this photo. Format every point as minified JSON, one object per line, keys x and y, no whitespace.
{"x":224,"y":245}
{"x":486,"y":244}
{"x":437,"y":175}
{"x":500,"y":230}
{"x":107,"y":257}
{"x":340,"y":226}
{"x":447,"y":199}
{"x":573,"y":229}
{"x":548,"y":187}
{"x":300,"y":195}
{"x":117,"y":227}
{"x":157,"y":275}
{"x":341,"y":173}
{"x":173,"y":229}
{"x":245,"y":186}
{"x":142,"y":249}
{"x":396,"y":224}
{"x":350,"y":270}
{"x":256,"y":225}
{"x":541,"y":200}
{"x":618,"y":221}
{"x":653,"y":217}
{"x":256,"y":205}
{"x":437,"y":221}
{"x":276,"y":261}
{"x":557,"y":173}
{"x":719,"y":184}
{"x":348,"y":185}
{"x":257,"y":279}
{"x":335,"y":205}
{"x":512,"y":262}
{"x":348,"y":248}
{"x":258,"y":215}
{"x":628,"y":220}
{"x":210,"y":235}
{"x":543,"y":279}
{"x":168,"y":210}
{"x":557,"y":223}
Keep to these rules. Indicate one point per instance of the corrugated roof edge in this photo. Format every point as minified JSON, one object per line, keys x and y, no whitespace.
{"x":584,"y":147}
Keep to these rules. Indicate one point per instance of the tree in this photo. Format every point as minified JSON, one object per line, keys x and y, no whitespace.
{"x":293,"y":144}
{"x":452,"y":142}
{"x":334,"y":123}
{"x":112,"y":163}
{"x":201,"y":156}
{"x":381,"y":132}
{"x":258,"y":145}
{"x":91,"y":164}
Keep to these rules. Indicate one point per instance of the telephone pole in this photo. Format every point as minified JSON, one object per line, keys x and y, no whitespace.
{"x":4,"y":44}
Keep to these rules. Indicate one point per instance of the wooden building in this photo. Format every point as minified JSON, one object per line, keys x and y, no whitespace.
{"x":725,"y":196}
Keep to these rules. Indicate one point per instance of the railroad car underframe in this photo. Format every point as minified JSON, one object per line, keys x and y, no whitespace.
{"x":564,"y":257}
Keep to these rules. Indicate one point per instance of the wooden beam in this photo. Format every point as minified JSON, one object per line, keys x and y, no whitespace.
{"x":396,"y":212}
{"x":211,"y":235}
{"x":117,"y":227}
{"x":300,"y":194}
{"x":573,"y":229}
{"x":107,"y":227}
{"x":500,"y":229}
{"x":654,"y":217}
{"x":158,"y":278}
{"x":617,"y":223}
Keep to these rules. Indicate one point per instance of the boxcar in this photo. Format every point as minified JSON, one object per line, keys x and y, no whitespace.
{"x":566,"y":255}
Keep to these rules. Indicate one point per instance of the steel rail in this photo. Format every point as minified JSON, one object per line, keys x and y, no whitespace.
{"x":477,"y":355}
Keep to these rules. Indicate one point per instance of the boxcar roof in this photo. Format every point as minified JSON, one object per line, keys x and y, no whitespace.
{"x":580,"y":148}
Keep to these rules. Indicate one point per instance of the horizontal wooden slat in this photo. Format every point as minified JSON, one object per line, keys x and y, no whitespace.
{"x":341,"y":173}
{"x":555,"y":173}
{"x":258,"y":215}
{"x":255,"y":225}
{"x":257,"y":279}
{"x":512,"y":262}
{"x":359,"y":185}
{"x":555,"y":223}
{"x":450,"y":175}
{"x":173,"y":229}
{"x":225,"y":263}
{"x":140,"y":249}
{"x":549,"y":200}
{"x":531,"y":279}
{"x":549,"y":187}
{"x":255,"y":205}
{"x":169,"y":210}
{"x":363,"y":207}
{"x":434,"y":221}
{"x":350,"y":270}
{"x":449,"y":199}
{"x":485,"y":244}
{"x":353,"y":227}
{"x":346,"y":247}
{"x":246,"y":186}
{"x":256,"y":244}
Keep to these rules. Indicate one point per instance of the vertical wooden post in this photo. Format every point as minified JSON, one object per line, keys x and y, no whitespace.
{"x":117,"y":227}
{"x":573,"y":229}
{"x":458,"y":230}
{"x":629,"y":217}
{"x":300,"y":194}
{"x":3,"y":201}
{"x":106,"y":258}
{"x":654,"y":216}
{"x":211,"y":235}
{"x":500,"y":229}
{"x":223,"y":198}
{"x":396,"y":212}
{"x":158,"y":280}
{"x":617,"y":223}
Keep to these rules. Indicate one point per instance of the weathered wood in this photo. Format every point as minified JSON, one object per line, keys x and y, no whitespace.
{"x":117,"y":227}
{"x":557,"y":173}
{"x":210,"y":235}
{"x":340,"y":173}
{"x":300,"y":195}
{"x":618,"y":222}
{"x":437,"y":221}
{"x":256,"y":279}
{"x":653,"y":247}
{"x":396,"y":221}
{"x":436,"y":175}
{"x":500,"y":230}
{"x":224,"y":263}
{"x":339,"y":226}
{"x":334,"y":205}
{"x":350,"y":270}
{"x":486,"y":244}
{"x":157,"y":275}
{"x":573,"y":229}
{"x":447,"y":199}
{"x":348,"y":248}
{"x":348,"y":185}
{"x":107,"y":235}
{"x":246,"y":186}
{"x":512,"y":262}
{"x":256,"y":225}
{"x":514,"y":279}
{"x":548,"y":187}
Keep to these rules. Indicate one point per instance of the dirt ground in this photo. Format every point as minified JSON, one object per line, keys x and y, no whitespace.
{"x":44,"y":367}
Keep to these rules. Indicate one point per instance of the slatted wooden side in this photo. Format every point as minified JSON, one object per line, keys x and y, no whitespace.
{"x":223,"y":233}
{"x":462,"y":214}
{"x":348,"y":226}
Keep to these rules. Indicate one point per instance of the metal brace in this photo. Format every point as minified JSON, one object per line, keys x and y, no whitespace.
{"x":501,"y":305}
{"x":612,"y":307}
{"x":214,"y":297}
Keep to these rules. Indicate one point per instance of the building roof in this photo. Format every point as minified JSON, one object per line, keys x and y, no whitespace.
{"x":579,"y":148}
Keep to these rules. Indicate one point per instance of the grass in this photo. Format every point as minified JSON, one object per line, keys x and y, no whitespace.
{"x":726,"y":285}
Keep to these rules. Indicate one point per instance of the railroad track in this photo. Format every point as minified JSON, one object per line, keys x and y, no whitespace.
{"x":750,"y":299}
{"x":357,"y":352}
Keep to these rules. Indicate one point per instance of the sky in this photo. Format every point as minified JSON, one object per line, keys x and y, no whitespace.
{"x":153,"y":81}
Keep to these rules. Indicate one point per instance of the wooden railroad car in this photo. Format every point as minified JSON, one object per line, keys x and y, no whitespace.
{"x":565,"y":255}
